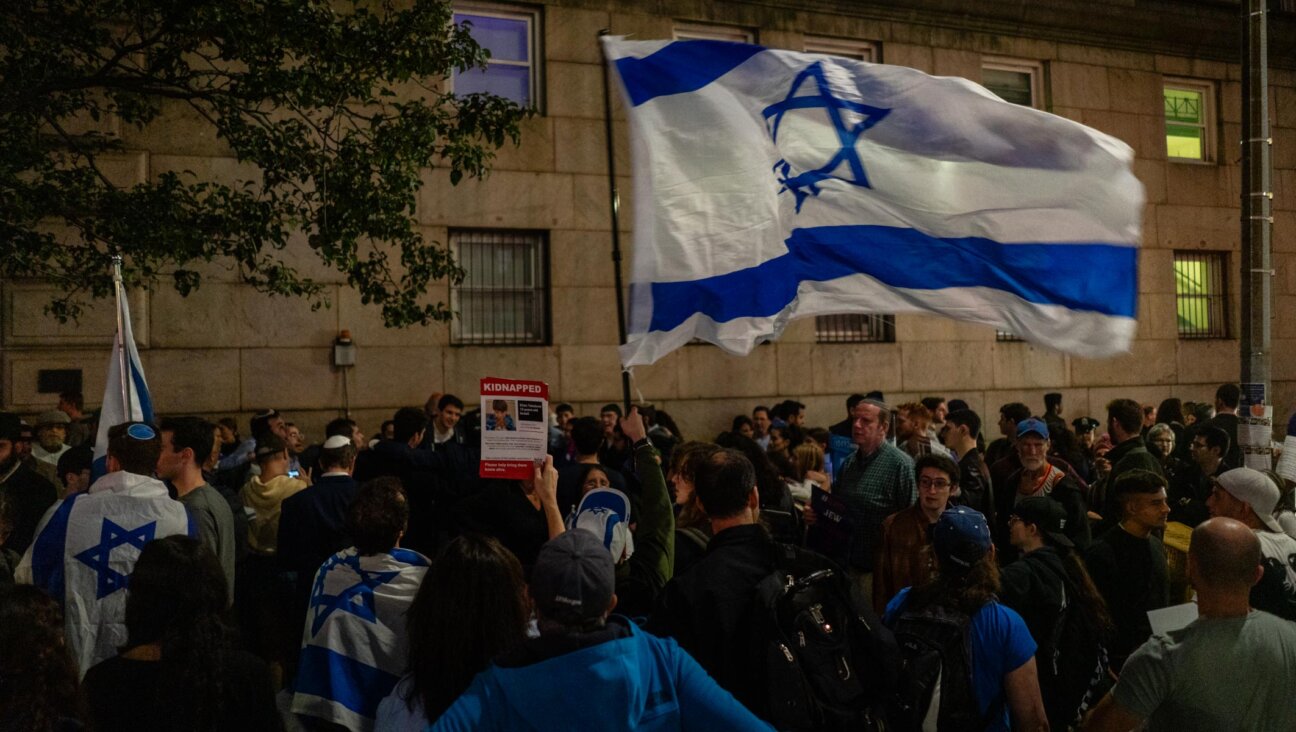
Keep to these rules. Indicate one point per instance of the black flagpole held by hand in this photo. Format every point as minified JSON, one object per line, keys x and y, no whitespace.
{"x":614,"y":201}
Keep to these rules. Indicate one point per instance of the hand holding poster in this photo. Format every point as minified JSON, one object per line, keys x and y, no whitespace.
{"x":515,"y":427}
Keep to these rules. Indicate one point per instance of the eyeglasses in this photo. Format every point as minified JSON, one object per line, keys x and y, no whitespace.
{"x":929,"y":483}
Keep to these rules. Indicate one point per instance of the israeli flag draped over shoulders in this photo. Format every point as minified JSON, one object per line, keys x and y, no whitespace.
{"x":85,"y":552}
{"x":354,"y":644}
{"x":126,"y":394}
{"x":771,"y":185}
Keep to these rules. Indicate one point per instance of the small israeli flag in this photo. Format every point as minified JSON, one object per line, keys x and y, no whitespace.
{"x":772,"y":185}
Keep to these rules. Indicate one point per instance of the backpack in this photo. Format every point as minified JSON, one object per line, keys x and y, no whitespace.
{"x":1073,"y":664}
{"x":936,"y":690}
{"x":829,"y":662}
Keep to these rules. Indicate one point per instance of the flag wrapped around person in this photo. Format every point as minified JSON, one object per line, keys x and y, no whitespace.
{"x":354,"y":645}
{"x":772,"y":185}
{"x":85,"y":552}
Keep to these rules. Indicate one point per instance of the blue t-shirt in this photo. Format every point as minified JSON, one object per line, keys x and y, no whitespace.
{"x":1000,"y":644}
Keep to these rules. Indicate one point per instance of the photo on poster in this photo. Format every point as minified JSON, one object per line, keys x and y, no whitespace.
{"x":515,"y":427}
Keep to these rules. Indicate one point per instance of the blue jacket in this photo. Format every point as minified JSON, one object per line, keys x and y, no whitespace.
{"x":634,"y":682}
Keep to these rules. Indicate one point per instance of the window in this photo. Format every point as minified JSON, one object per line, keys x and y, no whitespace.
{"x":1019,"y":82}
{"x":855,"y":328}
{"x":511,"y":36}
{"x":704,"y":32}
{"x":504,"y":298}
{"x":1189,"y":112}
{"x":858,"y":50}
{"x":1004,"y":336}
{"x":1201,"y":298}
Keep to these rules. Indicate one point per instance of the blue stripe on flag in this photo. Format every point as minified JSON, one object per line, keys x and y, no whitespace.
{"x":410,"y":557}
{"x":346,"y":681}
{"x":47,"y":551}
{"x":1095,"y":277}
{"x":682,"y":66}
{"x":141,"y":389}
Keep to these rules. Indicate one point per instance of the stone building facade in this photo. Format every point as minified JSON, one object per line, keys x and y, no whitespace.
{"x":227,"y":350}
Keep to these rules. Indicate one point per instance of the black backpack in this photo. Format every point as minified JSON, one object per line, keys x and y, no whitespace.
{"x":830,"y":663}
{"x":1073,"y":663}
{"x":936,"y":689}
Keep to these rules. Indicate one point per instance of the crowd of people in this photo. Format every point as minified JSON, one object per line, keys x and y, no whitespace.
{"x":904,"y":568}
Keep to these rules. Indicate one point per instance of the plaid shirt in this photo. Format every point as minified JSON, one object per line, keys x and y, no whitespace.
{"x":874,"y":487}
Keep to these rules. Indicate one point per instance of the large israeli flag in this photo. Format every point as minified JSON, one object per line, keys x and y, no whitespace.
{"x":126,"y":394}
{"x":771,"y":185}
{"x":85,"y":552}
{"x":354,"y":645}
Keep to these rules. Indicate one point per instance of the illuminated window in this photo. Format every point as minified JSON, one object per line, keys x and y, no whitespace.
{"x":504,"y":298}
{"x":1201,"y":298}
{"x":1016,"y":81}
{"x":1189,"y":111}
{"x":511,"y":37}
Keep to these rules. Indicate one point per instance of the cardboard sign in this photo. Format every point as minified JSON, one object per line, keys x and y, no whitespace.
{"x":514,"y":427}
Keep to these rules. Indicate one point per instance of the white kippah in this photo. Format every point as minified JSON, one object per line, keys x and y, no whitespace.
{"x":336,"y":441}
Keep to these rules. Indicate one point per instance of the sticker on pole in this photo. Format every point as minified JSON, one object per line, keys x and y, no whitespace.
{"x":1255,"y":428}
{"x":514,"y":427}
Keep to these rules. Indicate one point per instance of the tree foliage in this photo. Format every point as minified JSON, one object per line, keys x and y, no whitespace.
{"x":334,"y":108}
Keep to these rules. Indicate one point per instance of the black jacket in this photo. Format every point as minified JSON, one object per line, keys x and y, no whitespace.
{"x":1130,"y":573}
{"x":1066,"y":492}
{"x":709,"y":611}
{"x":312,"y":523}
{"x":1131,"y":454}
{"x":29,"y":496}
{"x":1034,"y":586}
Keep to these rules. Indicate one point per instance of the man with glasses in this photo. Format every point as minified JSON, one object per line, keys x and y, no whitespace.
{"x":903,"y":559}
{"x":1191,"y":487}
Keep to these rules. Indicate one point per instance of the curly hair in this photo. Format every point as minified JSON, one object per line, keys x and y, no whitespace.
{"x":177,"y":596}
{"x":38,"y":679}
{"x":965,"y":592}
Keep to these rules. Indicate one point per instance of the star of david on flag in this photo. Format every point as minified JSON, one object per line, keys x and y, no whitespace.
{"x":772,"y":185}
{"x":357,"y":599}
{"x":804,"y":184}
{"x":99,"y":557}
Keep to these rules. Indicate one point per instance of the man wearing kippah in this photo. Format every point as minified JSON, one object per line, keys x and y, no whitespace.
{"x":589,"y":669}
{"x":86,"y":548}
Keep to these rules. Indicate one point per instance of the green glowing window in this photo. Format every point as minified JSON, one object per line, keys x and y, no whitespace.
{"x":1201,"y":298}
{"x":1188,"y":109}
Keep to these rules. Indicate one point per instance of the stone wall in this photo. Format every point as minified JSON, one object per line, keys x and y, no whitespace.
{"x":227,"y":350}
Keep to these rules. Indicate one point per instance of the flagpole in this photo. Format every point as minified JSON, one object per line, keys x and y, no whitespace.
{"x":121,"y":339}
{"x":614,"y":201}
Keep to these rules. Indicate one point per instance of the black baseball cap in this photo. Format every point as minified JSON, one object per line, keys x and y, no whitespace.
{"x":1046,"y":514}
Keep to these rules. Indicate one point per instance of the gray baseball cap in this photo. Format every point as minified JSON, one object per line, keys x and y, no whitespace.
{"x":574,"y":578}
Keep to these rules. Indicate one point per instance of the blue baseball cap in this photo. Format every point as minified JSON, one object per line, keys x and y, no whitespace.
{"x":960,"y":538}
{"x":1032,"y":425}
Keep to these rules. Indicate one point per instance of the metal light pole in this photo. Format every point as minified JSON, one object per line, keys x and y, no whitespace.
{"x":1257,"y":197}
